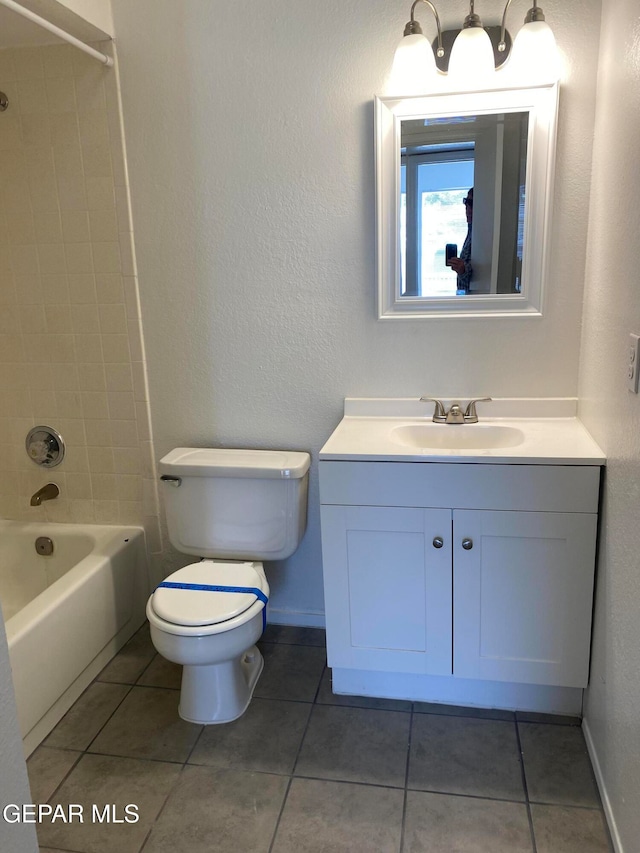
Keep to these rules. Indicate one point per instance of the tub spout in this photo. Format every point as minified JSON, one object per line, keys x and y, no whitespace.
{"x":46,"y":493}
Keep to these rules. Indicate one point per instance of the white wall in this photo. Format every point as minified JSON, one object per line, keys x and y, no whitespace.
{"x":250,"y":147}
{"x":612,"y":414}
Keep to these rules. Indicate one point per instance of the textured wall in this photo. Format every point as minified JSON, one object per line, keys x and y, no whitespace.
{"x":71,"y":352}
{"x":612,"y":414}
{"x":250,"y":146}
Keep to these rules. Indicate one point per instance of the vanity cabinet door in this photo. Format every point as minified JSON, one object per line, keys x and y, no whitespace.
{"x":523,"y":591}
{"x":388,"y":588}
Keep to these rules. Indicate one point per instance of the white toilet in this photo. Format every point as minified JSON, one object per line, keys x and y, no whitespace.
{"x":233,"y":508}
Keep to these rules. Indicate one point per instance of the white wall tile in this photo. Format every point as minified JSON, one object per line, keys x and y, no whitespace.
{"x":67,"y":320}
{"x":57,"y":60}
{"x":84,"y":319}
{"x":61,"y":94}
{"x":75,"y":226}
{"x":28,"y":63}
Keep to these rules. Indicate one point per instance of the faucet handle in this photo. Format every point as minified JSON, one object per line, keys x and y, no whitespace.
{"x":439,"y":414}
{"x":470,"y":414}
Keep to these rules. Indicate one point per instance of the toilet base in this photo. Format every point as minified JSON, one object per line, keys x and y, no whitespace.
{"x":219,"y":693}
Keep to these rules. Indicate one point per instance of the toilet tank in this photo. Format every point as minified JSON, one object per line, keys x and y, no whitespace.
{"x":235,"y":504}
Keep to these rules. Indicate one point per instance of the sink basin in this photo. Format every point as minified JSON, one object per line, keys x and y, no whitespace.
{"x":457,"y":436}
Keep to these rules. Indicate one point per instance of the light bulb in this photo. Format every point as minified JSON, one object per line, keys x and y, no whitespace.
{"x":414,"y":67}
{"x":534,"y":57}
{"x":471,"y":63}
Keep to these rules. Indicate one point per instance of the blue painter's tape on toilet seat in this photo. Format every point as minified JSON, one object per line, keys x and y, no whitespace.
{"x":205,"y":587}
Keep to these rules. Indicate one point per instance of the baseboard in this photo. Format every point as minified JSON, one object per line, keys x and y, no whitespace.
{"x":296,"y":618}
{"x":606,"y":803}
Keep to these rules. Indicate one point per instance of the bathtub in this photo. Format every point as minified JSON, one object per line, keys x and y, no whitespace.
{"x":68,"y":613}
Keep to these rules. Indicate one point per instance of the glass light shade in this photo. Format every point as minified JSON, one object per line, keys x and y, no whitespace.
{"x":534,"y":57}
{"x":414,"y":67}
{"x":472,"y":63}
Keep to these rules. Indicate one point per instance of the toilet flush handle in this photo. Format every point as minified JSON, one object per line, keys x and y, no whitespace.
{"x":173,"y":481}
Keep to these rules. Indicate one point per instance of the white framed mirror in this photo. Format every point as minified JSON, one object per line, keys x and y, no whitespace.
{"x":464,"y":185}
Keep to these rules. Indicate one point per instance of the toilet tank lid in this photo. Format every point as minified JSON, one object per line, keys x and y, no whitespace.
{"x":225,"y":462}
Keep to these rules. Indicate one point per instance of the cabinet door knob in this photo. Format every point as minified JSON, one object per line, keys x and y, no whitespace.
{"x":467,"y":544}
{"x":438,"y":542}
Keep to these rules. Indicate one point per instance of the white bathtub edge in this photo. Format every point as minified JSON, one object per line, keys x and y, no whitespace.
{"x":47,"y":723}
{"x":102,"y":598}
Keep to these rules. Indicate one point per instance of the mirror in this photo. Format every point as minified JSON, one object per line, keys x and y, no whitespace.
{"x":463,"y":193}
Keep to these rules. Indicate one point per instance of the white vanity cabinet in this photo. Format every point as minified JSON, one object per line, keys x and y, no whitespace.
{"x":471,"y":571}
{"x":388,"y":592}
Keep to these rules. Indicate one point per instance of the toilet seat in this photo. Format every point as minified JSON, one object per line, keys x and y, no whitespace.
{"x":210,"y":594}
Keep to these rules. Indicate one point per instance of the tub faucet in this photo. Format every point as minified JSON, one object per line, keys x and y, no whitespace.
{"x":46,"y":493}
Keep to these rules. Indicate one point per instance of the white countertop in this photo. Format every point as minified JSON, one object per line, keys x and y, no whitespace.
{"x":545,"y":431}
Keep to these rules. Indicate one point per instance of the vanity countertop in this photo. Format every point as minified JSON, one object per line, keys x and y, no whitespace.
{"x":544,"y":431}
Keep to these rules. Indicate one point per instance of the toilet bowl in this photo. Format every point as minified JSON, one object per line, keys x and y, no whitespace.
{"x":207,"y":617}
{"x":233,"y":509}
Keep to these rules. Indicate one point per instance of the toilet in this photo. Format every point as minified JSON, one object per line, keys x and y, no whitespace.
{"x":232,"y":509}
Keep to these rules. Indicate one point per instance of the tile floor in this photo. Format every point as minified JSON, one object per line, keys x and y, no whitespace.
{"x":305,"y":771}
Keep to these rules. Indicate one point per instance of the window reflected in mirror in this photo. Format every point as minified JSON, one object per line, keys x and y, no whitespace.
{"x":462,"y":203}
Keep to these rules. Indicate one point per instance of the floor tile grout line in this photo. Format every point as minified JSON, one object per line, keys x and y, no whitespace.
{"x":179,"y":775}
{"x":405,"y":796}
{"x":406,"y":783}
{"x":146,"y":668}
{"x":567,"y":806}
{"x":342,"y":781}
{"x":195,"y":743}
{"x":281,"y":643}
{"x":280,"y":813}
{"x":88,"y":746}
{"x":306,"y":728}
{"x":66,"y":775}
{"x":362,"y":707}
{"x":400,"y":788}
{"x":295,"y":762}
{"x":317,"y":693}
{"x":464,"y":716}
{"x":467,"y":796}
{"x":162,"y":808}
{"x":138,"y":758}
{"x":526,"y":789}
{"x":136,"y":684}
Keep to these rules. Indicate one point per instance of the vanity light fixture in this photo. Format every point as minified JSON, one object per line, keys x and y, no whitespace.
{"x":414,"y":64}
{"x":470,"y":56}
{"x":472,"y":52}
{"x":534,"y":51}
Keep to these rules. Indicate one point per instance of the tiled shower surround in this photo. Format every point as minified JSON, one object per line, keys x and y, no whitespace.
{"x":71,"y":351}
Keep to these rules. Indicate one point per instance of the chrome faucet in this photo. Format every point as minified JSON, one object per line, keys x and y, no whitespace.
{"x":455,"y":415}
{"x":46,"y":493}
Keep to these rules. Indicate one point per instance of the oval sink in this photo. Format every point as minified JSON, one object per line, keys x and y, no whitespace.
{"x":457,"y":436}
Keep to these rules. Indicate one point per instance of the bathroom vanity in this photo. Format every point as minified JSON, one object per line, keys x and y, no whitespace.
{"x":459,"y":559}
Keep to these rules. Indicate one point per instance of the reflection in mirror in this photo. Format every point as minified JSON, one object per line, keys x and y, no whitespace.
{"x":463,"y":195}
{"x":462,"y":184}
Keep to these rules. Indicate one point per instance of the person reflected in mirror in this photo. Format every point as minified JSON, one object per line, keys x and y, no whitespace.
{"x":461,"y":265}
